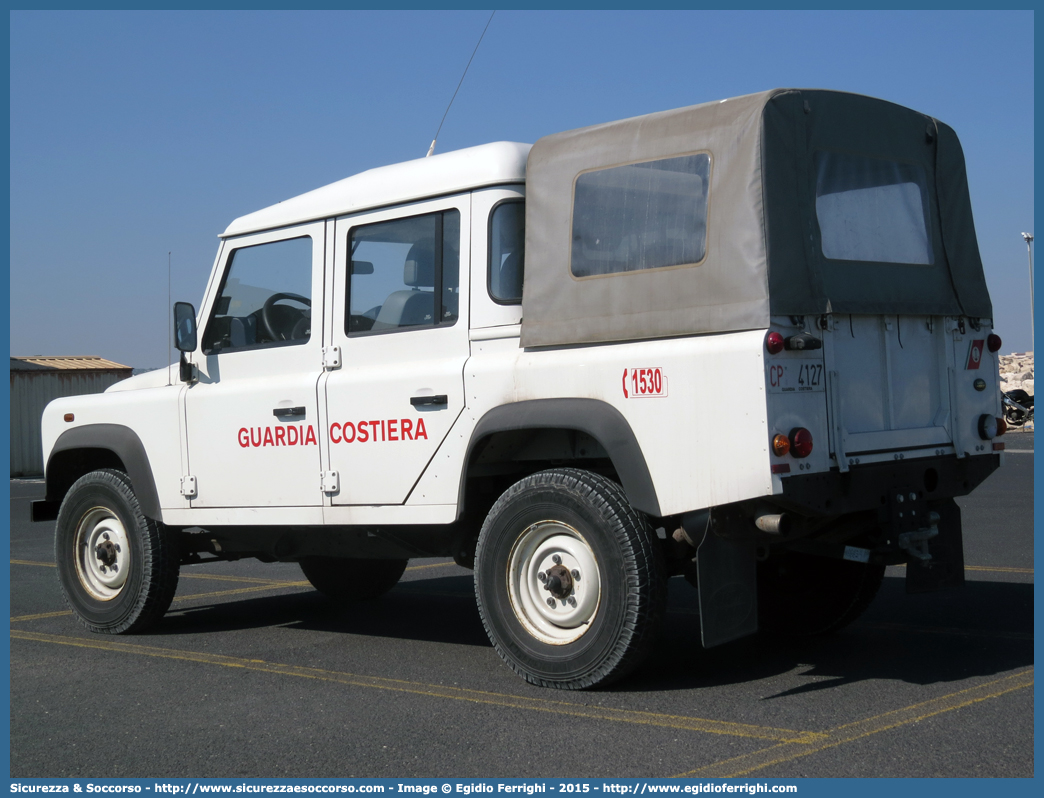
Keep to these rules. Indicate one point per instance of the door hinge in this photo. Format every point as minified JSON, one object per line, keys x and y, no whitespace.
{"x":188,"y":486}
{"x":331,"y":357}
{"x":331,"y":482}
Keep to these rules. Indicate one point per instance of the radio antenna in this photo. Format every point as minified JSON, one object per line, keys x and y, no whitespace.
{"x":431,"y":149}
{"x":169,"y":326}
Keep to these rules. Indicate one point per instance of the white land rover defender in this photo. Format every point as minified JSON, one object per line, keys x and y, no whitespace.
{"x":748,"y":342}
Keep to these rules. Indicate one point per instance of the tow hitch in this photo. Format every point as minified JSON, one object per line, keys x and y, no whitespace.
{"x":915,"y":543}
{"x":936,"y":552}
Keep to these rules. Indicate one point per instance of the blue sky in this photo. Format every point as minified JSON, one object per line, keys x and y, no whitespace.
{"x":135,"y":134}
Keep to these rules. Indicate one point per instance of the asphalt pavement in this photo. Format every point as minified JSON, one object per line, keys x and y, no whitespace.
{"x":253,"y":673}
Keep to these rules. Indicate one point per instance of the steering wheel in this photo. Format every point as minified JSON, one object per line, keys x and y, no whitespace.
{"x":283,"y":323}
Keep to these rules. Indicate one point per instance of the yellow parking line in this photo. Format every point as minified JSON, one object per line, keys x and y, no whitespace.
{"x":436,"y":691}
{"x":40,"y":615}
{"x":225,"y":578}
{"x":241,"y":590}
{"x":189,"y":597}
{"x":430,"y":565}
{"x":788,"y":751}
{"x":998,"y":570}
{"x":236,"y":578}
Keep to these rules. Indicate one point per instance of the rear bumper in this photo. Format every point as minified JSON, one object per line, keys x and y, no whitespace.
{"x":868,"y":487}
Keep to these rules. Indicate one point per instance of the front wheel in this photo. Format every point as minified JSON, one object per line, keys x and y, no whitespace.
{"x":569,"y":580}
{"x":117,"y":568}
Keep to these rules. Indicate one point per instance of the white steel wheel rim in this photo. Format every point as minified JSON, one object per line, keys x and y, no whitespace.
{"x":534,"y":553}
{"x":103,"y":577}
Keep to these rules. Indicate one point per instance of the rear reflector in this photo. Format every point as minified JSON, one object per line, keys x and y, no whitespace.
{"x":998,"y":447}
{"x":774,"y":343}
{"x":781,"y":468}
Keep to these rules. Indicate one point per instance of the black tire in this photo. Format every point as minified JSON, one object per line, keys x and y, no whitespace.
{"x":617,"y":601}
{"x":803,"y":595}
{"x":117,"y":568}
{"x":345,"y":579}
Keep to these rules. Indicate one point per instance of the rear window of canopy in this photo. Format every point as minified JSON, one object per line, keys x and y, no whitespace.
{"x":872,"y":209}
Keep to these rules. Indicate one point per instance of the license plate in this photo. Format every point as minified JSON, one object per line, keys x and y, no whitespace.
{"x":796,"y":377}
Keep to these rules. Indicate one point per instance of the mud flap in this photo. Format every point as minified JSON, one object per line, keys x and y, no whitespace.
{"x":726,"y":582}
{"x":945,"y":569}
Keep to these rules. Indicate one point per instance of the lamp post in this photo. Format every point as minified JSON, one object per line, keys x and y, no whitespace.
{"x":1028,"y":238}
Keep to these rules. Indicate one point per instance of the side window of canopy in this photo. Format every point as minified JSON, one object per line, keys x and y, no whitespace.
{"x":872,"y":209}
{"x":649,"y":215}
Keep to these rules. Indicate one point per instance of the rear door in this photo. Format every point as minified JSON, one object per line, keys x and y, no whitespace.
{"x":888,"y":384}
{"x":400,"y":320}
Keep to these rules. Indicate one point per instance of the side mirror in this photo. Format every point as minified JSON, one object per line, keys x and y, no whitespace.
{"x":185,"y":337}
{"x":184,"y":327}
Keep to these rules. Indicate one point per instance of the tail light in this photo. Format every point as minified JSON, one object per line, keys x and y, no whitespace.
{"x":1002,"y":426}
{"x":774,"y":343}
{"x":993,"y":342}
{"x":780,"y":445}
{"x":800,"y":442}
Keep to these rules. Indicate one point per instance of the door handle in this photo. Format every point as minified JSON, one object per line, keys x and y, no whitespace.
{"x":286,"y":412}
{"x":429,"y":401}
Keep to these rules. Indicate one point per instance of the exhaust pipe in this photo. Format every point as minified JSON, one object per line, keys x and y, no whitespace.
{"x":777,"y":524}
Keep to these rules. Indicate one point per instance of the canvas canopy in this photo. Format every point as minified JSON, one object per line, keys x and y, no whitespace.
{"x":714,"y":217}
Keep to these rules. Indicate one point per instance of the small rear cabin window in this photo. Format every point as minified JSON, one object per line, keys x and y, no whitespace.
{"x":649,"y":215}
{"x":872,"y":209}
{"x":507,"y":240}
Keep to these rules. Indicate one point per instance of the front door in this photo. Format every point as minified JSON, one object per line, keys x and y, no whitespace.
{"x":397,"y":319}
{"x":252,"y":418}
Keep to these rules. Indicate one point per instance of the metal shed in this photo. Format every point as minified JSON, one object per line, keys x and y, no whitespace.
{"x":35,"y":381}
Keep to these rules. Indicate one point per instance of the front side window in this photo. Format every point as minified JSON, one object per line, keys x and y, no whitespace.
{"x":872,"y":209}
{"x":265,"y":299}
{"x":507,"y":241}
{"x":405,"y":274}
{"x":649,"y":215}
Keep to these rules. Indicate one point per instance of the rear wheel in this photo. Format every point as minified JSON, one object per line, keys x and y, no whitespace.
{"x":804,"y":595}
{"x":117,"y":568}
{"x":352,"y":579}
{"x":569,"y":581}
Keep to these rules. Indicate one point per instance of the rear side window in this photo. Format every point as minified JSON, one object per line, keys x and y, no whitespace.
{"x":649,"y":215}
{"x":872,"y":209}
{"x":405,"y":274}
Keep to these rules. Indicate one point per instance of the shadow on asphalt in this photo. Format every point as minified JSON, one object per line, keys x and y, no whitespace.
{"x":981,"y":630}
{"x":437,"y":610}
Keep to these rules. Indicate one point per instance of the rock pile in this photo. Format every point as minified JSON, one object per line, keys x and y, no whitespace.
{"x":1016,"y":371}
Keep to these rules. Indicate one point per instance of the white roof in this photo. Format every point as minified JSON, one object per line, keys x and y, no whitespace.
{"x":460,"y":170}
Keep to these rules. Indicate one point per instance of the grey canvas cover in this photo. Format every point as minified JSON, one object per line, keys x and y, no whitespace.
{"x":799,"y":202}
